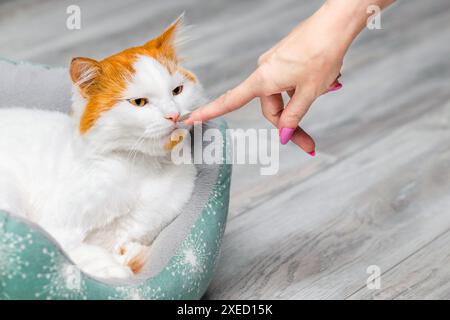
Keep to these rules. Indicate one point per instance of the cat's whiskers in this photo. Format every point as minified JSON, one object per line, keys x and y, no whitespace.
{"x":141,"y":140}
{"x":135,"y":148}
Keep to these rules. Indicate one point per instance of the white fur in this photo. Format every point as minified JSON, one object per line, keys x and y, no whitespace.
{"x":113,"y":186}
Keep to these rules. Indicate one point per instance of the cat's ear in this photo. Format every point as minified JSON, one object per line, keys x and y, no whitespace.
{"x":165,"y":43}
{"x":83,"y":72}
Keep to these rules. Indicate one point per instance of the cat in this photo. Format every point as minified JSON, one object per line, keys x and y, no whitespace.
{"x":101,"y":180}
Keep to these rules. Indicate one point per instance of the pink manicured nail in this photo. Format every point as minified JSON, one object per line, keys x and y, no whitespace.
{"x":286,"y":135}
{"x":312,"y":153}
{"x":335,"y":87}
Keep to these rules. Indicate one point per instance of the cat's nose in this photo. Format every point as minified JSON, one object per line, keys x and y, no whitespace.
{"x":172,"y":116}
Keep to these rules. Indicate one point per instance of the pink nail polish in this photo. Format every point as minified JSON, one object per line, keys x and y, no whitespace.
{"x":286,"y":135}
{"x":312,"y":153}
{"x":335,"y":87}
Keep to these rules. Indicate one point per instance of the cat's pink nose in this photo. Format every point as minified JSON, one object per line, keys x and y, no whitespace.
{"x":172,"y":116}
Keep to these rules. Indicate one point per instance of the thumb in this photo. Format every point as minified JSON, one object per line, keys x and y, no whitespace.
{"x":293,"y":113}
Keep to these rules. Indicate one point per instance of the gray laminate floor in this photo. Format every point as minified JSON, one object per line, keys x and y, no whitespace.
{"x":378,"y":192}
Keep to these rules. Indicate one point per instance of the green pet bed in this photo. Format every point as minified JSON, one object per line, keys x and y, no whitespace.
{"x":184,"y":256}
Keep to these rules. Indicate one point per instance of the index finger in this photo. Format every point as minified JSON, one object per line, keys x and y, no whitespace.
{"x":231,"y":100}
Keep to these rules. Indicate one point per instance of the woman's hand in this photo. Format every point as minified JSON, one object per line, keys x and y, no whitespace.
{"x":305,"y":64}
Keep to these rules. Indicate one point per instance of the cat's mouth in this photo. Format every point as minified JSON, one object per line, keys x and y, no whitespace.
{"x":178,"y":132}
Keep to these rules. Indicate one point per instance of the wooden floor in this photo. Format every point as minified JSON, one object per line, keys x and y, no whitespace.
{"x":378,"y":192}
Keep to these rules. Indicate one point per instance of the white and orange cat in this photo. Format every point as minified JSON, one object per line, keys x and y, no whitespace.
{"x":101,"y":180}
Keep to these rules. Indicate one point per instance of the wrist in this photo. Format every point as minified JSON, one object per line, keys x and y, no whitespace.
{"x":348,"y":17}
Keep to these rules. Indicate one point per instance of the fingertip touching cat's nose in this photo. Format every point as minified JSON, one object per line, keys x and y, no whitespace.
{"x":172,"y":117}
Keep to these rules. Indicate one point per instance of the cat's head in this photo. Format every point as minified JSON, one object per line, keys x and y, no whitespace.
{"x":133,"y":99}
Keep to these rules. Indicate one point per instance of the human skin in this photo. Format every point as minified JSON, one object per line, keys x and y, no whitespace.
{"x":305,"y":64}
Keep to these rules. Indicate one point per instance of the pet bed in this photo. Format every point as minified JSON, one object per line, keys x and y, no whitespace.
{"x":184,"y":255}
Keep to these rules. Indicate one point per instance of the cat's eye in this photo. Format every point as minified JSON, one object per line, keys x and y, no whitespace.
{"x":139,"y":102}
{"x":177,"y":90}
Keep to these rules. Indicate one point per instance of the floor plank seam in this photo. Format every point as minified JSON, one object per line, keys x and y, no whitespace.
{"x":442,"y":234}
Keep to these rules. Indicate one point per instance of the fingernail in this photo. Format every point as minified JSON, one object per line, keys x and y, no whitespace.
{"x":335,"y":87}
{"x":286,"y":135}
{"x":312,"y":153}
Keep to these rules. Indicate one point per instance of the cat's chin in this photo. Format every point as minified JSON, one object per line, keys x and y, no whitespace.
{"x":161,"y":146}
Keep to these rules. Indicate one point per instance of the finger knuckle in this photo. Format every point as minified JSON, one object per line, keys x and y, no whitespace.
{"x":262,"y":59}
{"x":269,"y":114}
{"x":269,"y":117}
{"x":292,"y":116}
{"x":266,"y":82}
{"x":311,"y":92}
{"x":276,"y":114}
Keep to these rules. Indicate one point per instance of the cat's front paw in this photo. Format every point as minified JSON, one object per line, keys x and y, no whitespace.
{"x":133,"y":255}
{"x":98,"y":262}
{"x":112,"y":271}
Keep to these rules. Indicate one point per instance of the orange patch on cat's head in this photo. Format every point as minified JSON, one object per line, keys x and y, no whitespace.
{"x":102,"y":83}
